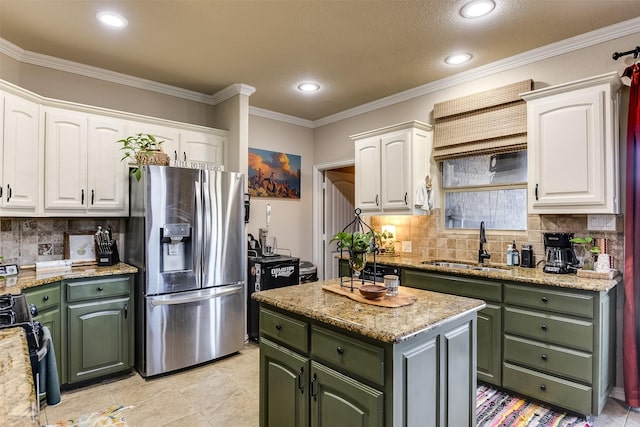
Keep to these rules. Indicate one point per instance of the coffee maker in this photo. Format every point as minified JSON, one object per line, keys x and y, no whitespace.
{"x":560,"y":256}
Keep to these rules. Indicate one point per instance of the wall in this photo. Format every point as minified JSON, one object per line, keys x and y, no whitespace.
{"x":290,"y":218}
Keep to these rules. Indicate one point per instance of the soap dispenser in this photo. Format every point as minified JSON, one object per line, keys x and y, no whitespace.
{"x":515,"y":255}
{"x":510,"y":255}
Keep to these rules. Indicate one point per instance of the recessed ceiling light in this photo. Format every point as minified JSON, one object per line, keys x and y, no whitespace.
{"x":111,"y":19}
{"x":477,"y":8}
{"x":458,"y":58}
{"x":309,"y":87}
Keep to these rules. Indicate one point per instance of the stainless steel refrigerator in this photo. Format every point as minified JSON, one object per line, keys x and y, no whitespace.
{"x":186,"y":236}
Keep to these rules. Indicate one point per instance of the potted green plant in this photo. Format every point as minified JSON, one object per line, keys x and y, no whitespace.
{"x":588,"y":251}
{"x":145,"y":149}
{"x":358,"y":244}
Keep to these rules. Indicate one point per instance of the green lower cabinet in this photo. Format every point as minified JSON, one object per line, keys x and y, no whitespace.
{"x":47,"y":300}
{"x":284,"y":387}
{"x":99,"y":338}
{"x":489,"y":344}
{"x":340,"y":401}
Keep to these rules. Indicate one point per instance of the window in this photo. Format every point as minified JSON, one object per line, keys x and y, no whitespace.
{"x":490,"y":188}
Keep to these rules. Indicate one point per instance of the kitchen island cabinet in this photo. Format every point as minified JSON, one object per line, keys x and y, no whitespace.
{"x":328,"y":360}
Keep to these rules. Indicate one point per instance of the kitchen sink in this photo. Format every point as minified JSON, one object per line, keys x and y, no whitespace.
{"x":463,"y":266}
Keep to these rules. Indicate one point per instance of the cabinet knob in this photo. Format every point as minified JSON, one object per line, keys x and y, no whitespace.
{"x":544,"y":357}
{"x":45,"y":298}
{"x":278,"y":326}
{"x":340,"y":350}
{"x":184,"y":156}
{"x":543,"y":387}
{"x":544,"y":300}
{"x":175,"y":155}
{"x":100,"y":289}
{"x":543,"y":327}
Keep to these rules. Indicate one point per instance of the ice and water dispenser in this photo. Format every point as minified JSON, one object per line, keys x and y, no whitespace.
{"x":176,"y":248}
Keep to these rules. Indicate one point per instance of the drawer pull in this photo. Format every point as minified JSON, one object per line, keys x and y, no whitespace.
{"x":278,"y":326}
{"x":543,"y":387}
{"x":543,"y":327}
{"x":340,"y":350}
{"x":100,"y":289}
{"x":544,"y":357}
{"x":544,"y":300}
{"x":45,"y":298}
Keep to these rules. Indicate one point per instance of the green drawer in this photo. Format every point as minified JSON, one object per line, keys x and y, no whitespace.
{"x":45,"y":297}
{"x":348,"y":355}
{"x":452,"y":284}
{"x":284,"y":329}
{"x":548,"y":298}
{"x":552,"y":359}
{"x":81,"y":290}
{"x":559,"y":392}
{"x":549,"y":328}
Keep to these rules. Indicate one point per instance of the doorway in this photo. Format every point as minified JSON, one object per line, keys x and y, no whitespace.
{"x":335,"y":204}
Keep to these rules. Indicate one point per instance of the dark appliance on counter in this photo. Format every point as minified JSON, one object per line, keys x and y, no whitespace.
{"x":267,"y":273}
{"x":560,"y":256}
{"x":527,"y":259}
{"x":16,"y":313}
{"x":377,"y":274}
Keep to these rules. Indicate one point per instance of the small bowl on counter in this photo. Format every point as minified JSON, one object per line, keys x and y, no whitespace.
{"x":373,"y":291}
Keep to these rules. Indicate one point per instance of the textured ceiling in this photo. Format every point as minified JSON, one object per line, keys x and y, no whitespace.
{"x":358,"y":50}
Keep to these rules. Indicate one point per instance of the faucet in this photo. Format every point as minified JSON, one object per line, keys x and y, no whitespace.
{"x":482,"y":252}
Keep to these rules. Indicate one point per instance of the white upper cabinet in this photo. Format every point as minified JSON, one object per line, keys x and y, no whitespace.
{"x":573,"y":158}
{"x":83,"y":172}
{"x":389,"y":162}
{"x":186,"y":146}
{"x":19,"y":155}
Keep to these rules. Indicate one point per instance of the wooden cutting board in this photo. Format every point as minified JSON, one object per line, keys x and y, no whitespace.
{"x":386,"y":301}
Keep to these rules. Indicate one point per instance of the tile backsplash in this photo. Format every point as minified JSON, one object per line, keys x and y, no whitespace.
{"x":24,"y":241}
{"x":430,"y":240}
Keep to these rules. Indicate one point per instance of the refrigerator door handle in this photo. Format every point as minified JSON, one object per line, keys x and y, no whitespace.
{"x":195,"y":297}
{"x":198,"y":234}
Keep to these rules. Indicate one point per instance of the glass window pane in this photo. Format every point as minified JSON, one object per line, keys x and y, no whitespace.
{"x":499,"y":209}
{"x":504,"y":168}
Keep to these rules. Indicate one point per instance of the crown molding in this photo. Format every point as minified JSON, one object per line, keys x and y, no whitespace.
{"x":268,"y":114}
{"x":601,"y":35}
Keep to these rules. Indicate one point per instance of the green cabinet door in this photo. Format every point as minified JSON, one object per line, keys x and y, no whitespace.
{"x":284,"y":387}
{"x":99,"y":338}
{"x":490,"y":344}
{"x":47,"y":301}
{"x":341,"y":401}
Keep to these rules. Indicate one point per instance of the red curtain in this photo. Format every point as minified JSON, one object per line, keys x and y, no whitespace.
{"x":632,"y":247}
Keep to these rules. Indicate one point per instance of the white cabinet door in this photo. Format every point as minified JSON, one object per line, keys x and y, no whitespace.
{"x":107,"y":181}
{"x":65,"y":160}
{"x":396,"y":170}
{"x":367,"y":171}
{"x":573,"y":149}
{"x":202,"y":147}
{"x":169,"y":136}
{"x":19,"y":155}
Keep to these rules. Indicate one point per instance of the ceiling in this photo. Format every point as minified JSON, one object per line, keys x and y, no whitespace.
{"x":358,"y":50}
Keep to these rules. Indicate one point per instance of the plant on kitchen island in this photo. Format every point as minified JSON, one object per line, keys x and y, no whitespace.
{"x":358,"y":244}
{"x":144,"y":148}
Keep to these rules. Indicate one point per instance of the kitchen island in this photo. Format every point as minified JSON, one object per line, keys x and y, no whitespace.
{"x":326,"y":359}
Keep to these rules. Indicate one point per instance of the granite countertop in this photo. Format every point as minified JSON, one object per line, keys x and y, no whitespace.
{"x":30,"y":278}
{"x":514,"y":274}
{"x":18,"y":403}
{"x":390,"y":325}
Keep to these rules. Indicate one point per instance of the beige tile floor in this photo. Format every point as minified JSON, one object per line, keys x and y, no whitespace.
{"x":219,"y":394}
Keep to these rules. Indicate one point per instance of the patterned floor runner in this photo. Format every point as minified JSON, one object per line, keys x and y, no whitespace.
{"x":498,"y":409}
{"x":112,"y":416}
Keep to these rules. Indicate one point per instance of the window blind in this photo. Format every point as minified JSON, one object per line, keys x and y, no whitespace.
{"x":493,"y":121}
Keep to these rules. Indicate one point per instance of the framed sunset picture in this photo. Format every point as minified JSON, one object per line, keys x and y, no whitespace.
{"x":274,"y":174}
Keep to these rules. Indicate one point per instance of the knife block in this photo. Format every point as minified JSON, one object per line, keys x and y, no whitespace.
{"x":110,"y":257}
